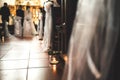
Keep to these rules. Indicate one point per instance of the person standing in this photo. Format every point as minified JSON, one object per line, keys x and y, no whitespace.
{"x":19,"y":21}
{"x":29,"y":28}
{"x":5,"y":13}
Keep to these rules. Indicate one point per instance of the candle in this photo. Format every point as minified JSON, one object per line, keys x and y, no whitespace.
{"x":54,"y":61}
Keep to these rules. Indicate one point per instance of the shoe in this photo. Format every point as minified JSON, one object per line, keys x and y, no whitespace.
{"x":40,"y":39}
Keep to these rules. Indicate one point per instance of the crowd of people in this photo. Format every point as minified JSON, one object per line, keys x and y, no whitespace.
{"x":23,"y":22}
{"x":24,"y":25}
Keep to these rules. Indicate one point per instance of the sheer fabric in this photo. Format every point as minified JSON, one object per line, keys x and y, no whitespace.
{"x":18,"y":26}
{"x":48,"y":26}
{"x":40,"y":26}
{"x":93,"y":41}
{"x":29,"y":28}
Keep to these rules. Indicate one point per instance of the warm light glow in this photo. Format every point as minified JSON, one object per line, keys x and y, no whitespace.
{"x":54,"y":61}
{"x":54,"y":68}
{"x":65,"y":58}
{"x":9,"y":2}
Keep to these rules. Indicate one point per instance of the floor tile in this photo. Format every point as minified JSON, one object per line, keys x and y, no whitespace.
{"x":38,"y":55}
{"x":4,"y":48}
{"x":22,"y":59}
{"x":42,"y":63}
{"x":40,"y":74}
{"x":13,"y":64}
{"x":19,"y":74}
{"x":15,"y":55}
{"x":3,"y":53}
{"x":35,"y":50}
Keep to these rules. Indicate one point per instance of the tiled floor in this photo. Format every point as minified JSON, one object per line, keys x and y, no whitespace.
{"x":21,"y":59}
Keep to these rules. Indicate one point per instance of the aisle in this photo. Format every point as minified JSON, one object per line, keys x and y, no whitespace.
{"x":21,"y":59}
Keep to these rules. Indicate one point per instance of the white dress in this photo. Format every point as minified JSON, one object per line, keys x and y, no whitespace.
{"x":7,"y":30}
{"x":28,"y":26}
{"x":18,"y":26}
{"x":40,"y":26}
{"x":48,"y":25}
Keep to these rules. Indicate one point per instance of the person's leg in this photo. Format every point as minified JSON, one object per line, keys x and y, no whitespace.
{"x":22,"y":28}
{"x":3,"y":28}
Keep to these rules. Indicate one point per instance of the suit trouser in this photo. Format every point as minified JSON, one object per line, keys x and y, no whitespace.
{"x":4,"y":29}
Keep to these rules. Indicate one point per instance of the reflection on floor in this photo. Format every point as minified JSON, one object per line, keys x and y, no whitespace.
{"x":21,"y":59}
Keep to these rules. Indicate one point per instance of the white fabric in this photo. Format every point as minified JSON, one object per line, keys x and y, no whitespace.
{"x":40,"y":26}
{"x":83,"y":31}
{"x":18,"y":26}
{"x":7,"y":30}
{"x":48,"y":25}
{"x":29,"y":28}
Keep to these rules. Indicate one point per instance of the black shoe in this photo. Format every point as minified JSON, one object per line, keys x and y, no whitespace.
{"x":40,"y":39}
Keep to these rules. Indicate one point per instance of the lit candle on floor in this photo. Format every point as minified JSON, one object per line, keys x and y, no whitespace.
{"x":54,"y":61}
{"x":65,"y":58}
